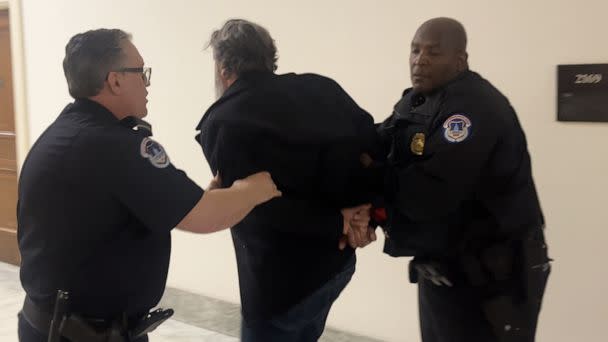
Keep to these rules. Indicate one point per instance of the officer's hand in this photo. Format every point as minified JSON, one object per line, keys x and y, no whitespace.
{"x":216,"y":182}
{"x":260,"y":186}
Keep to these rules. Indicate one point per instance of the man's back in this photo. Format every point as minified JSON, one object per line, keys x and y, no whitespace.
{"x":308,"y":132}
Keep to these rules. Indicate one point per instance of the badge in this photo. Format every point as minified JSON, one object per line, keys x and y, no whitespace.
{"x":456,"y":128}
{"x":153,"y":151}
{"x":417,"y":144}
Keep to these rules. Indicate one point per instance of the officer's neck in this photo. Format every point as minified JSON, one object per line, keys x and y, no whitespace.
{"x":114,"y":107}
{"x":437,"y":89}
{"x":457,"y":77}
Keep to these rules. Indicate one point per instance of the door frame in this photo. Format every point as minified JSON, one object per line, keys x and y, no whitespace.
{"x":19,"y":102}
{"x":22,"y":143}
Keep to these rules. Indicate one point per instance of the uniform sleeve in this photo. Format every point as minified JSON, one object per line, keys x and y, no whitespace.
{"x":237,"y":158}
{"x":434,"y":184}
{"x":147,"y":183}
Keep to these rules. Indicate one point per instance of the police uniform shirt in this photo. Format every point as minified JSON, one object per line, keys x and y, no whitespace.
{"x":97,"y":201}
{"x":457,"y":156}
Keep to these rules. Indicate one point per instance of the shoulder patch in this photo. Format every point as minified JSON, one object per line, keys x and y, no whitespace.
{"x":153,"y":151}
{"x":457,"y":128}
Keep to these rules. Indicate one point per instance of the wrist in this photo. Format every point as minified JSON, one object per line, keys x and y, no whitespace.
{"x":246,"y":190}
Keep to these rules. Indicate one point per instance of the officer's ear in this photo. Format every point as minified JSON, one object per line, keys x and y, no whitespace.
{"x":114,"y":81}
{"x":463,"y":61}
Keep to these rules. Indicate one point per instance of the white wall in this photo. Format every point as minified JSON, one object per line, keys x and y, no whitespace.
{"x":364,"y":46}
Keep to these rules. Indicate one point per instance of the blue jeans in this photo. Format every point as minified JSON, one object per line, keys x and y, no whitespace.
{"x":305,"y":321}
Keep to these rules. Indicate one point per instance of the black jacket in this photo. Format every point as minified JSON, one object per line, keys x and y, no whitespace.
{"x":309,"y":134}
{"x":471,"y":182}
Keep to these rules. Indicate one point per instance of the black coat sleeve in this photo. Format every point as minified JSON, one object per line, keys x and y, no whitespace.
{"x":244,"y":151}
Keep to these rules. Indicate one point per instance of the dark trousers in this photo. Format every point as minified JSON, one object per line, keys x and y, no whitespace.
{"x":305,"y":321}
{"x":451,"y":314}
{"x":460,"y":313}
{"x":27,"y":333}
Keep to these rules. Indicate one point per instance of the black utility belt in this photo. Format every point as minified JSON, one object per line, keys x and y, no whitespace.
{"x":77,"y":328}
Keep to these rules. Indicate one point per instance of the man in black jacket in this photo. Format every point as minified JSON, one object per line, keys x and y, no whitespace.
{"x":461,"y":198}
{"x":309,"y":133}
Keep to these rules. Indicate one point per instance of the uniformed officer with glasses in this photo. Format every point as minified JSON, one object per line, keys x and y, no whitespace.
{"x":98,"y":198}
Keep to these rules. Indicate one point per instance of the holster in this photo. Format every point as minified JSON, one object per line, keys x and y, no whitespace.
{"x":511,"y":277}
{"x":149,"y":323}
{"x":63,"y":323}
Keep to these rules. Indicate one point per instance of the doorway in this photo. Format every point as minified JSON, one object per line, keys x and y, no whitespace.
{"x":8,"y":156}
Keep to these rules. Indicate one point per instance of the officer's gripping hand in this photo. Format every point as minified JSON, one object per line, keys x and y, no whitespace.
{"x":260,"y":186}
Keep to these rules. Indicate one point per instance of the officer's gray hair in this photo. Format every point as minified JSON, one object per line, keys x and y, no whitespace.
{"x":241,"y":46}
{"x":89,"y":57}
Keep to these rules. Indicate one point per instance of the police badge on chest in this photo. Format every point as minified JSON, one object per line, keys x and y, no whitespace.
{"x":417,"y":144}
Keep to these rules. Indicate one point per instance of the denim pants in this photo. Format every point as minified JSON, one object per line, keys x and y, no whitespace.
{"x":305,"y":321}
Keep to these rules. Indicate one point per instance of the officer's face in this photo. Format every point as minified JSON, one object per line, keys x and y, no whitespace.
{"x":133,"y":96}
{"x":432,"y":62}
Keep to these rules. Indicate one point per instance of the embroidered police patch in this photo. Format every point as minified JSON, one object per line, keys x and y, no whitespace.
{"x":153,"y":151}
{"x":456,"y":128}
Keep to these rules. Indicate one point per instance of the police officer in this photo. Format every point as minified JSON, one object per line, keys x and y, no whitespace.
{"x":461,"y":198}
{"x":98,"y":198}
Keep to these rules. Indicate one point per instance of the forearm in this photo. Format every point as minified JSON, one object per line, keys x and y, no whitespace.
{"x":219,"y":209}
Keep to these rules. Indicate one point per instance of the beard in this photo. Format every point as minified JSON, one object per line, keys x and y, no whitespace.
{"x":219,"y":86}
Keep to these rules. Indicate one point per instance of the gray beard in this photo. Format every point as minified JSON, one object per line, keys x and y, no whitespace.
{"x":219,"y":87}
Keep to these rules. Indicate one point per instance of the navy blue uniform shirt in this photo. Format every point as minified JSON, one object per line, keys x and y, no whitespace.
{"x":459,"y":171}
{"x":97,"y":202}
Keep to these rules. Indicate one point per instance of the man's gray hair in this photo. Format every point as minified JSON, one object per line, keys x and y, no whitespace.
{"x":89,"y":57}
{"x":241,"y":46}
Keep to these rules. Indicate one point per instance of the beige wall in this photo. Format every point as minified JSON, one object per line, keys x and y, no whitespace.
{"x":364,"y":46}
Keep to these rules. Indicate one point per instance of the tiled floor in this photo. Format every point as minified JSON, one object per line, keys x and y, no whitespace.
{"x":11,"y":299}
{"x":197,"y":318}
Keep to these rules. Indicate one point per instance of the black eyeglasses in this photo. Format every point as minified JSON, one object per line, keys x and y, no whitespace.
{"x":146,"y":73}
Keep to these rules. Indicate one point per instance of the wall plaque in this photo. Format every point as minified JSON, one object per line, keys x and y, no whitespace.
{"x":582,"y":92}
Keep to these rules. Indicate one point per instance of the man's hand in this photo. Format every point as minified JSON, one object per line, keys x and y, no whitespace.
{"x":370,"y":236}
{"x":366,"y":160}
{"x":356,"y":230}
{"x":259,"y":186}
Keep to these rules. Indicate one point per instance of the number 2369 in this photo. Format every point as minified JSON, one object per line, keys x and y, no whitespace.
{"x":588,"y":78}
